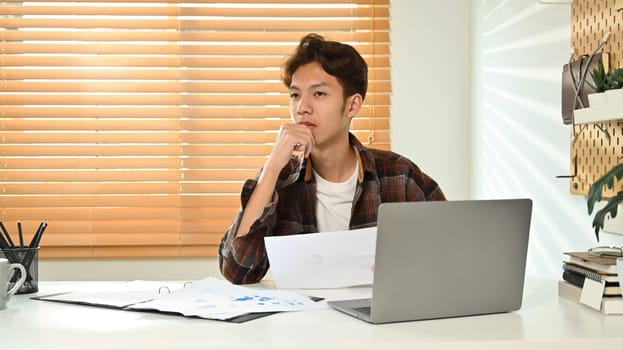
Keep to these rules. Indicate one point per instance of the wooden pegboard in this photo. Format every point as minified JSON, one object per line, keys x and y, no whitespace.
{"x":595,"y":148}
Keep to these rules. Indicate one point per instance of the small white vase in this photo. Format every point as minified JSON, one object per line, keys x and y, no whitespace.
{"x":597,"y":99}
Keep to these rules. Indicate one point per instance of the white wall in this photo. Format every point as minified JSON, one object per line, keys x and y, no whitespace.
{"x":430,"y":121}
{"x":181,"y":269}
{"x":475,"y":103}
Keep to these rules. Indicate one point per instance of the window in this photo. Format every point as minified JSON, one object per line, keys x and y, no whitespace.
{"x":131,"y":126}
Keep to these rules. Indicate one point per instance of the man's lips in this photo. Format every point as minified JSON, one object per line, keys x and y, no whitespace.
{"x":308,"y":125}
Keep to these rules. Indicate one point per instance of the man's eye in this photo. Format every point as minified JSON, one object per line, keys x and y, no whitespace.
{"x":320,"y":93}
{"x":294,"y":95}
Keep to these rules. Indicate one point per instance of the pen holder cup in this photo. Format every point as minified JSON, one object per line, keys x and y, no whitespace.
{"x":29,"y":258}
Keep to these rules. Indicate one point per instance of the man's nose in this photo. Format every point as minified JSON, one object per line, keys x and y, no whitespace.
{"x":303,"y":106}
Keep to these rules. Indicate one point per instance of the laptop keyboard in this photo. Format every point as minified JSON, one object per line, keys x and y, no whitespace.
{"x":364,"y":310}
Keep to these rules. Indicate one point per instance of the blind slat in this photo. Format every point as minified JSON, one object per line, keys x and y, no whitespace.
{"x":83,"y":214}
{"x":119,"y":150}
{"x":173,"y":24}
{"x":128,"y":175}
{"x":72,"y":227}
{"x":155,"y":99}
{"x":76,"y":163}
{"x":229,"y":201}
{"x":157,"y":61}
{"x":153,"y":188}
{"x":175,"y":2}
{"x":75,"y":115}
{"x":116,"y":137}
{"x":129,"y":252}
{"x":251,"y":74}
{"x":232,"y":125}
{"x":164,"y":49}
{"x":140,"y":12}
{"x":159,"y":86}
{"x":240,"y":36}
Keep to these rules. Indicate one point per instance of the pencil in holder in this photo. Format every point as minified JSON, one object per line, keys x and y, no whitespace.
{"x":29,"y":258}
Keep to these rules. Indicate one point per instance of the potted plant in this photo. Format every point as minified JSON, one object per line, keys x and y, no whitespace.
{"x":595,"y":195}
{"x":600,"y":79}
{"x":615,"y":94}
{"x":603,"y":81}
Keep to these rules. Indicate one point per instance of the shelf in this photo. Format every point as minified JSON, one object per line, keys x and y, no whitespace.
{"x":601,"y":113}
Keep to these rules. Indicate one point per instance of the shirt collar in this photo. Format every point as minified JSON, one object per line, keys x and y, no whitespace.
{"x":359,"y":149}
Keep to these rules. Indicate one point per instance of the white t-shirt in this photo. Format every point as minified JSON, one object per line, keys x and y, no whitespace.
{"x":335,"y":202}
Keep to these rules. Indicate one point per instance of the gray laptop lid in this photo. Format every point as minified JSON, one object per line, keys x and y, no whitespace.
{"x":448,"y":259}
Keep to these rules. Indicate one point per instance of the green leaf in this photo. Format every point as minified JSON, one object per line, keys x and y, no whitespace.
{"x":600,"y":78}
{"x":596,"y":190}
{"x":611,"y":208}
{"x":617,"y":77}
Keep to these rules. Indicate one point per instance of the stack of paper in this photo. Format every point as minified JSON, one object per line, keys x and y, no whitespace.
{"x":216,"y":299}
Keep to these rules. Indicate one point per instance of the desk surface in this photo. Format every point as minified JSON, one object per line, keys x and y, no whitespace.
{"x":544,"y":322}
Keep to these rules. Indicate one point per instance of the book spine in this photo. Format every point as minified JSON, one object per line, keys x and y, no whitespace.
{"x":612,"y":306}
{"x":573,"y":278}
{"x":592,"y":274}
{"x":600,"y":268}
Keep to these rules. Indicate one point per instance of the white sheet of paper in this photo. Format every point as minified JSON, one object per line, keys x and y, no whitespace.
{"x":218,"y":299}
{"x":592,"y":292}
{"x":322,"y":260}
{"x":119,"y":294}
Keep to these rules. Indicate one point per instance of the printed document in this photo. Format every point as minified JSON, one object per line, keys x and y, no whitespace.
{"x":322,"y":260}
{"x":220,"y":300}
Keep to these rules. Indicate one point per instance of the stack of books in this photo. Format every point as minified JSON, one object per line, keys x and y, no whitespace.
{"x":585,"y":274}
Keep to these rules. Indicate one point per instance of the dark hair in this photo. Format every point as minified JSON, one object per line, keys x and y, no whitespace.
{"x":339,"y":60}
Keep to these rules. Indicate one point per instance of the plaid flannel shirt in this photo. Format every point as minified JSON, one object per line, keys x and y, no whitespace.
{"x":384,"y":176}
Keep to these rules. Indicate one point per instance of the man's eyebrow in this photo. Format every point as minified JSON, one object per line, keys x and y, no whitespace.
{"x":313,"y":86}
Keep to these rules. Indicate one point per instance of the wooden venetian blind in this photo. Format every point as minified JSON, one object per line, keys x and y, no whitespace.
{"x":131,"y":126}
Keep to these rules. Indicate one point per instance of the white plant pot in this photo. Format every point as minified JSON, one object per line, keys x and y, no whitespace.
{"x":615,"y":95}
{"x":597,"y":99}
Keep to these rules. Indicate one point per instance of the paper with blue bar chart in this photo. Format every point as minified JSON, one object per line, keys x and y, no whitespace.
{"x":217,"y":299}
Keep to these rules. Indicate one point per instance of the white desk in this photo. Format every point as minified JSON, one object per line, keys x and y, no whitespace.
{"x":544,"y":322}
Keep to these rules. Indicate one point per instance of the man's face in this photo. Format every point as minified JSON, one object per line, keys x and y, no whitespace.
{"x":316,"y":101}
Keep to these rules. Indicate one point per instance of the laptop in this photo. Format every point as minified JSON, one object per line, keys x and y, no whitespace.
{"x":446,"y":259}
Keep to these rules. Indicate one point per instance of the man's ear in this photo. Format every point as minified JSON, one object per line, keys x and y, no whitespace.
{"x":353,"y":106}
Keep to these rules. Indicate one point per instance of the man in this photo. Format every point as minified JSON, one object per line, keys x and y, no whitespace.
{"x":318,"y":177}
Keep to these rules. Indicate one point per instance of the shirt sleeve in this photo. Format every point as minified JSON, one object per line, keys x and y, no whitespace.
{"x":243,"y":259}
{"x":423,"y":188}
